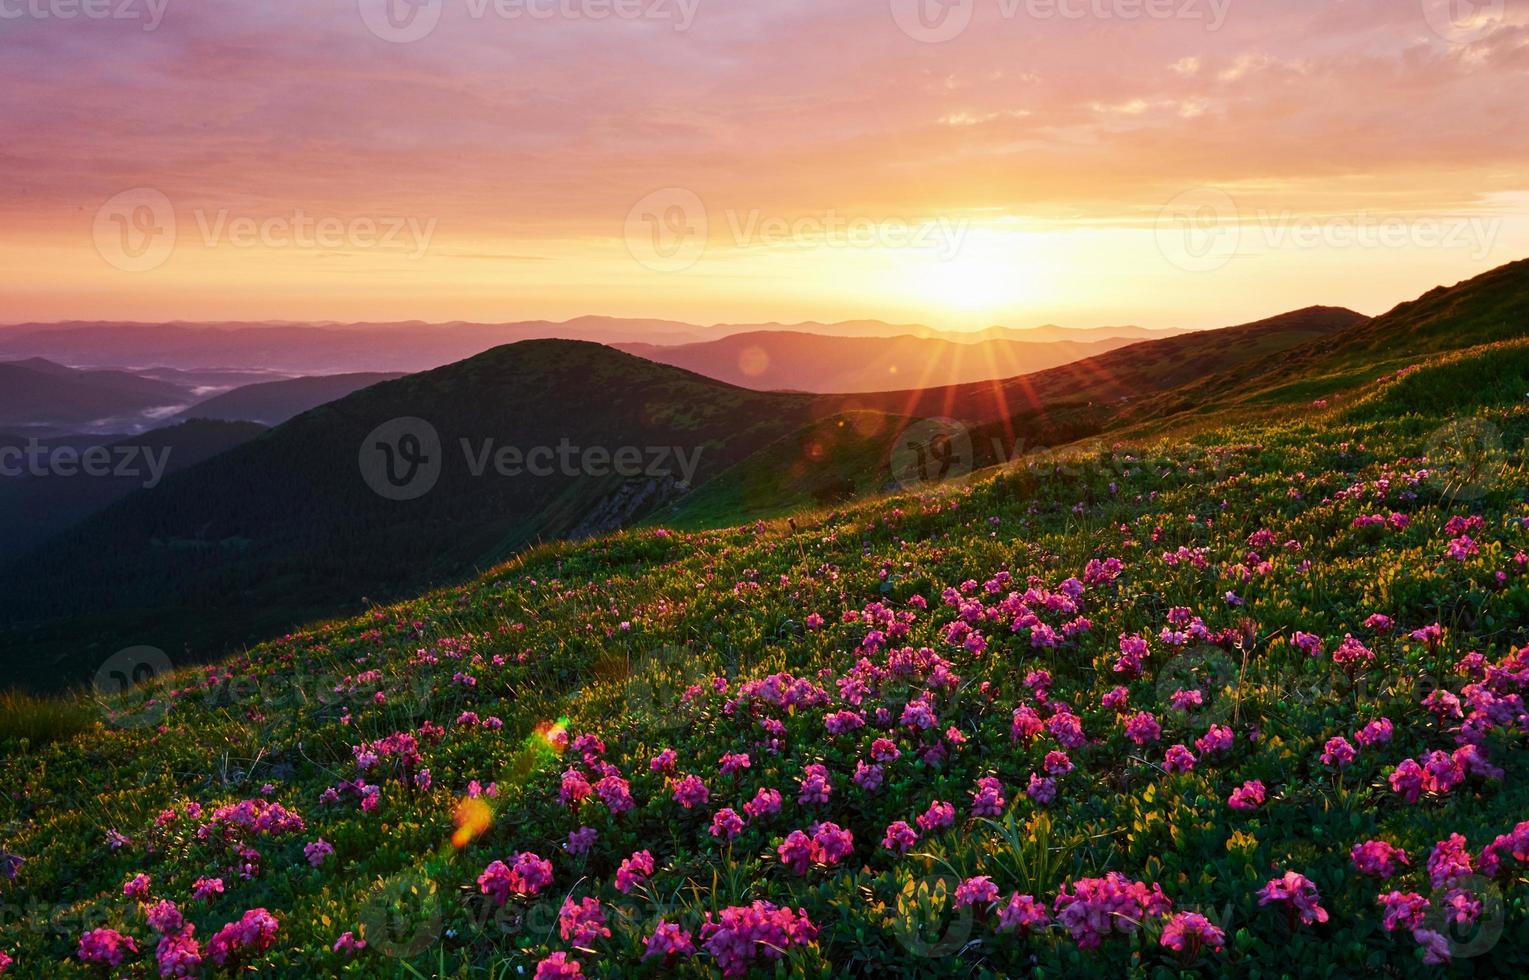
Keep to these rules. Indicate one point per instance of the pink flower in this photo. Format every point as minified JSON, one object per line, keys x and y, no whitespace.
{"x":899,"y":837}
{"x":1188,"y":932}
{"x":1094,"y":907}
{"x":734,"y":763}
{"x":582,"y":924}
{"x":1216,"y":740}
{"x":1178,"y":759}
{"x":137,"y":887}
{"x":668,"y":942}
{"x":528,"y":875}
{"x":1115,"y":700}
{"x":664,"y":761}
{"x":165,"y":918}
{"x":938,"y":816}
{"x":1248,"y":796}
{"x":691,"y":792}
{"x":105,"y":947}
{"x":976,"y":891}
{"x":1041,"y":790}
{"x":765,"y":802}
{"x":1299,"y":894}
{"x":348,"y":944}
{"x":867,"y":777}
{"x":1338,"y":752}
{"x":255,"y":932}
{"x":815,"y":787}
{"x":1376,"y":732}
{"x":796,"y":852}
{"x":1377,"y":857}
{"x":1026,"y":724}
{"x":988,"y":800}
{"x":1142,"y":728}
{"x":317,"y":851}
{"x":634,"y":871}
{"x":1407,"y":780}
{"x":1449,"y":862}
{"x":726,"y":822}
{"x":1022,"y":914}
{"x":179,"y":954}
{"x":558,"y":965}
{"x":616,"y":794}
{"x":205,"y":888}
{"x":581,"y":840}
{"x":1404,"y":910}
{"x":742,"y":935}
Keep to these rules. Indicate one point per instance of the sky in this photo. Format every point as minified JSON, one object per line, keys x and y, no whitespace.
{"x":962,"y":163}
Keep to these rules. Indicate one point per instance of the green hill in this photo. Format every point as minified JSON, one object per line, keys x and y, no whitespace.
{"x":1326,"y":605}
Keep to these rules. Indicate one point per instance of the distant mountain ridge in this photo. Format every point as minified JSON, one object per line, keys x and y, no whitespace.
{"x":274,"y":402}
{"x":788,"y":360}
{"x":409,"y":346}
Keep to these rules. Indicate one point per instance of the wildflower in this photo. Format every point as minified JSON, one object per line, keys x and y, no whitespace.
{"x":726,"y":822}
{"x":731,"y":763}
{"x":1186,"y":700}
{"x":938,"y":816}
{"x":1338,"y":752}
{"x":1216,"y":740}
{"x":558,"y":965}
{"x":581,"y":840}
{"x":867,"y":777}
{"x":1376,"y":732}
{"x":1093,"y":907}
{"x":1026,"y":724}
{"x":105,"y":947}
{"x":1178,"y":759}
{"x":664,"y":761}
{"x":616,"y":793}
{"x":348,"y":944}
{"x":582,"y":924}
{"x":526,"y":875}
{"x":255,"y":932}
{"x":137,"y":887}
{"x":317,"y":851}
{"x":1041,"y":790}
{"x":765,"y":802}
{"x":1246,"y":797}
{"x":1407,"y":780}
{"x":1142,"y":728}
{"x":1353,"y":655}
{"x":1404,"y":910}
{"x":1115,"y":699}
{"x":669,"y":941}
{"x":1189,"y":932}
{"x":1307,"y":643}
{"x":1449,"y":862}
{"x":165,"y":918}
{"x":742,"y":935}
{"x":988,"y":800}
{"x":691,"y":792}
{"x":205,"y":888}
{"x":179,"y":954}
{"x":899,"y":837}
{"x":634,"y":871}
{"x":1022,"y":913}
{"x":815,"y":787}
{"x":1377,"y":857}
{"x":1299,"y":894}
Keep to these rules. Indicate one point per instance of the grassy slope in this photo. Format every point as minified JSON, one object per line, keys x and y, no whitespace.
{"x":606,"y":633}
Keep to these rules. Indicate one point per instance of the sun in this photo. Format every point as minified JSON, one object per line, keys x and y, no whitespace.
{"x":974,"y":283}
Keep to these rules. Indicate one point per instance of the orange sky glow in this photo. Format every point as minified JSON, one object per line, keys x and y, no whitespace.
{"x":1171,"y":163}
